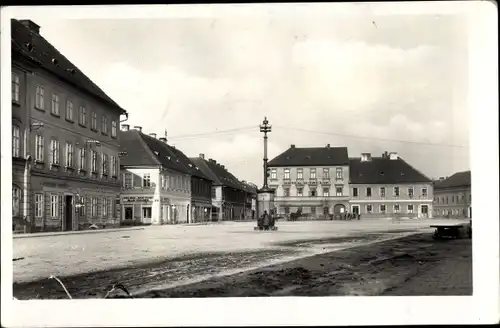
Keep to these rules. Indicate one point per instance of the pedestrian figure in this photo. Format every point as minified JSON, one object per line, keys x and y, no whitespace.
{"x":265,"y":219}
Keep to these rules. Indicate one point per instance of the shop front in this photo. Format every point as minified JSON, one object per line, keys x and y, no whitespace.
{"x":138,"y":209}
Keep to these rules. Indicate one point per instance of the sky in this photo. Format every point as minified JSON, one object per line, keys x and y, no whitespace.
{"x":372,"y":83}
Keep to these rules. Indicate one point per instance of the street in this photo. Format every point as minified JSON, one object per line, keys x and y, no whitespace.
{"x":164,"y":256}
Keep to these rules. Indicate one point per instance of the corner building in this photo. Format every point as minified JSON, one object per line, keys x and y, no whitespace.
{"x":314,"y":180}
{"x":71,"y":138}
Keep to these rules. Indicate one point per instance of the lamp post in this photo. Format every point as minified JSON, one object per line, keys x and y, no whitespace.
{"x":265,"y":128}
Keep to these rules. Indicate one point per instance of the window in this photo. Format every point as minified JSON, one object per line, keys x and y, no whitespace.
{"x":55,"y":104}
{"x":93,"y":207}
{"x":396,"y":208}
{"x":396,"y":191}
{"x":39,"y":148}
{"x":104,"y":164}
{"x":94,"y":121}
{"x":312,"y":192}
{"x":436,"y":199}
{"x":114,"y":166}
{"x":312,"y":174}
{"x":81,"y":202}
{"x":299,"y":192}
{"x":286,"y":192}
{"x":39,"y":101}
{"x":15,"y":87}
{"x":128,"y":180}
{"x":452,"y":199}
{"x":69,"y":155}
{"x":54,"y":206}
{"x":83,"y":159}
{"x":105,"y":204}
{"x":104,"y":124}
{"x":69,"y":110}
{"x":326,"y":192}
{"x":382,"y":191}
{"x":368,"y":192}
{"x":369,"y":208}
{"x":82,"y":118}
{"x":38,"y":205}
{"x":339,"y":191}
{"x":410,"y":208}
{"x":214,"y":194}
{"x":339,"y":175}
{"x":382,"y":208}
{"x":424,"y":192}
{"x":93,"y":155}
{"x":113,"y":129}
{"x":313,"y":210}
{"x":355,"y":192}
{"x":287,"y":174}
{"x":273,"y":174}
{"x":410,"y":192}
{"x":287,"y":210}
{"x":16,"y":201}
{"x":146,"y":212}
{"x":146,"y":180}
{"x":16,"y":141}
{"x":54,"y":152}
{"x":326,"y":173}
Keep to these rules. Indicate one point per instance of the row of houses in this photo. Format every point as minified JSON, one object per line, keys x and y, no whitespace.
{"x":73,"y":167}
{"x":322,"y":181}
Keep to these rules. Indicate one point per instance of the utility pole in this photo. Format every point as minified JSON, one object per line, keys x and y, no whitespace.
{"x":265,"y":128}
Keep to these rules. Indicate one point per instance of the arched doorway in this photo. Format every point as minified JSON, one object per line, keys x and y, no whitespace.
{"x":338,"y":208}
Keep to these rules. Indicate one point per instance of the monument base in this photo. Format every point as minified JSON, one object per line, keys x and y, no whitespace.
{"x":265,"y":204}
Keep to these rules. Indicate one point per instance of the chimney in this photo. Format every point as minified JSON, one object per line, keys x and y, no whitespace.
{"x":393,"y":156}
{"x":202,"y":156}
{"x":125,"y":127}
{"x":328,"y":146}
{"x":163,"y":139}
{"x":31,"y":25}
{"x":139,"y":128}
{"x":366,"y":157}
{"x":292,"y":146}
{"x":223,"y":166}
{"x":153,"y":135}
{"x":385,"y":154}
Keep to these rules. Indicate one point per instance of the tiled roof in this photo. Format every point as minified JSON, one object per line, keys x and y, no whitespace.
{"x":382,"y":170}
{"x":37,"y":49}
{"x":459,"y":179}
{"x":142,"y":149}
{"x":222,"y":175}
{"x":316,"y":156}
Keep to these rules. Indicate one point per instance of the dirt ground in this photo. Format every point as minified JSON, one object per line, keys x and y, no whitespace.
{"x":414,"y":265}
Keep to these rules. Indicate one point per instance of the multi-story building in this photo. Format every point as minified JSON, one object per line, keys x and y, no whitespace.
{"x":228,"y":193}
{"x":387,"y":186}
{"x":452,"y":196}
{"x":250,"y":198}
{"x":314,"y":180}
{"x":69,"y":134}
{"x":160,"y":184}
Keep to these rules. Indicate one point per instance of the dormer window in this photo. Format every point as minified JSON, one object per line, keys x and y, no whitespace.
{"x":157,"y":153}
{"x":381,"y":173}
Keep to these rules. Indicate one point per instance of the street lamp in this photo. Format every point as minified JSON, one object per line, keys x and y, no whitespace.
{"x":265,"y":128}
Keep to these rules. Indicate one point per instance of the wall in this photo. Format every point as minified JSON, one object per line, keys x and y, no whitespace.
{"x":376,"y":199}
{"x":310,"y":205}
{"x":454,"y":202}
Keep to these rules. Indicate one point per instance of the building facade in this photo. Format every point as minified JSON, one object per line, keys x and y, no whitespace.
{"x":71,"y":138}
{"x":229,"y":195}
{"x":160,"y":184}
{"x":387,"y":186}
{"x":314,"y":181}
{"x":452,"y":196}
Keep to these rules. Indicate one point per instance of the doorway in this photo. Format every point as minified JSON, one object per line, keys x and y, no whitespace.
{"x":355,"y":209}
{"x":68,"y":213}
{"x":129,"y":213}
{"x":338,"y":208}
{"x":425,"y":211}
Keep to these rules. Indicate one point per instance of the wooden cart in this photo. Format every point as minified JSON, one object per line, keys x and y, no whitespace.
{"x":448,"y":231}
